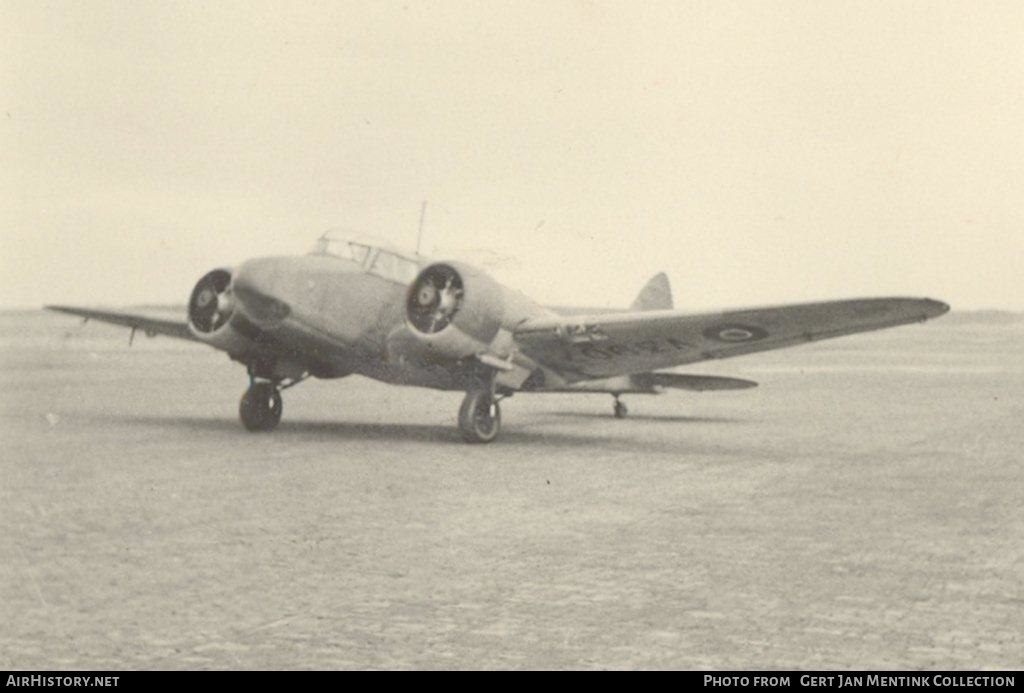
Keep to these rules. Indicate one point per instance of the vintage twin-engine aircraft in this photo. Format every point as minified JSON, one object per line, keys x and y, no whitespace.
{"x":353,"y":305}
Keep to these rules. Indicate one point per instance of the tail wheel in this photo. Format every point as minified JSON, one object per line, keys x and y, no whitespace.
{"x":479,"y":417}
{"x":261,"y":407}
{"x":620,"y":409}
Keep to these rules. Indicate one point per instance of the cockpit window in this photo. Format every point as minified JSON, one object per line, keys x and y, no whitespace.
{"x":394,"y":267}
{"x":359,"y":252}
{"x":341,"y":247}
{"x":371,"y":256}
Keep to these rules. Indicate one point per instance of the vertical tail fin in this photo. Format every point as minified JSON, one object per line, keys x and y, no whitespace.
{"x":656,"y":294}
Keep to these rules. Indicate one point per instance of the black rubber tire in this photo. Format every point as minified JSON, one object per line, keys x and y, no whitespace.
{"x":479,"y":418}
{"x":261,"y":407}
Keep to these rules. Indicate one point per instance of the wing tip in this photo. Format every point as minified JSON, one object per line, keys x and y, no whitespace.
{"x":937,"y":308}
{"x":930,"y":307}
{"x":914,"y":307}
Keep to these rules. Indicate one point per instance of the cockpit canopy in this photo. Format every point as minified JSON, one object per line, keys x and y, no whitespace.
{"x":371,"y":254}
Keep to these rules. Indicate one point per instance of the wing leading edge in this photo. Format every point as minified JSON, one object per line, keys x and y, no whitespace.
{"x":598,"y":346}
{"x":151,"y":325}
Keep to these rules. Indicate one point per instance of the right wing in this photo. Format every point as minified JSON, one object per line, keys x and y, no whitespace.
{"x":151,"y":325}
{"x":598,"y":346}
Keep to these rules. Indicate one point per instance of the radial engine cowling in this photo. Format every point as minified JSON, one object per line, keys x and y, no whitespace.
{"x":454,"y":309}
{"x":210,"y":308}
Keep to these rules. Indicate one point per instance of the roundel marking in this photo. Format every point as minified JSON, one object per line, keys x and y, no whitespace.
{"x":733,"y":333}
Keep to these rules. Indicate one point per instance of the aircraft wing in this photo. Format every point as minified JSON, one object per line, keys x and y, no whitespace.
{"x":151,"y":325}
{"x":580,"y":347}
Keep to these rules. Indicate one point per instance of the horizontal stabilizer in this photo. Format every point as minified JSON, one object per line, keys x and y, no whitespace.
{"x":685,"y":381}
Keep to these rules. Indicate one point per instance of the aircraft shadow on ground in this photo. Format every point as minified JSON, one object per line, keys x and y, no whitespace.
{"x":353,"y":430}
{"x":523,"y":435}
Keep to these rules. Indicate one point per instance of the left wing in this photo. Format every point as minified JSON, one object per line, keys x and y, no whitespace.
{"x":151,"y":325}
{"x":597,"y":346}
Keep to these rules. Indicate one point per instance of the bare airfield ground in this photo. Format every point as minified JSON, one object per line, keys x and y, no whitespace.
{"x":862,"y":508}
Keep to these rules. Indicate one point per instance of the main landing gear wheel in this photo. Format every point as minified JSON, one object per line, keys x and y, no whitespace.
{"x":479,"y":417}
{"x":620,"y":409}
{"x":261,"y":406}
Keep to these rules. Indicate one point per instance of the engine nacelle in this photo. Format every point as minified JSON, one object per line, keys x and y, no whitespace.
{"x":454,"y":309}
{"x":210,"y":309}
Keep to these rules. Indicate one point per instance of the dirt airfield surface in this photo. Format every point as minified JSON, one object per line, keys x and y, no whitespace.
{"x":861,"y":508}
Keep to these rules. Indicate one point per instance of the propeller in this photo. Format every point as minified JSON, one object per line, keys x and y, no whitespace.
{"x":435,"y":298}
{"x":212,"y":302}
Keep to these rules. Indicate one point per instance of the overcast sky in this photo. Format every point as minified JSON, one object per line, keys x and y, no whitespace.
{"x":759,"y":152}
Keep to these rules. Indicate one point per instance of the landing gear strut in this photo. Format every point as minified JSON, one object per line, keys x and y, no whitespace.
{"x":620,"y":408}
{"x":261,"y":406}
{"x":479,"y":417}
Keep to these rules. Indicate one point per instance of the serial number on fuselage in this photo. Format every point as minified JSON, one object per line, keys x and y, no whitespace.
{"x":606,"y":351}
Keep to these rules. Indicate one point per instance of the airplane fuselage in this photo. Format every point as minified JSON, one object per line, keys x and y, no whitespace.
{"x":337,"y":318}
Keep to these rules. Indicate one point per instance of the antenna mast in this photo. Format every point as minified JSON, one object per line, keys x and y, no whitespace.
{"x":419,"y":234}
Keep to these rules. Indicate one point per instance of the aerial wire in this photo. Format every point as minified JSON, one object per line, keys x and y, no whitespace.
{"x":419,"y":233}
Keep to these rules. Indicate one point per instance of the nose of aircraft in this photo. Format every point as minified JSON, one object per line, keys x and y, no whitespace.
{"x":257,"y":285}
